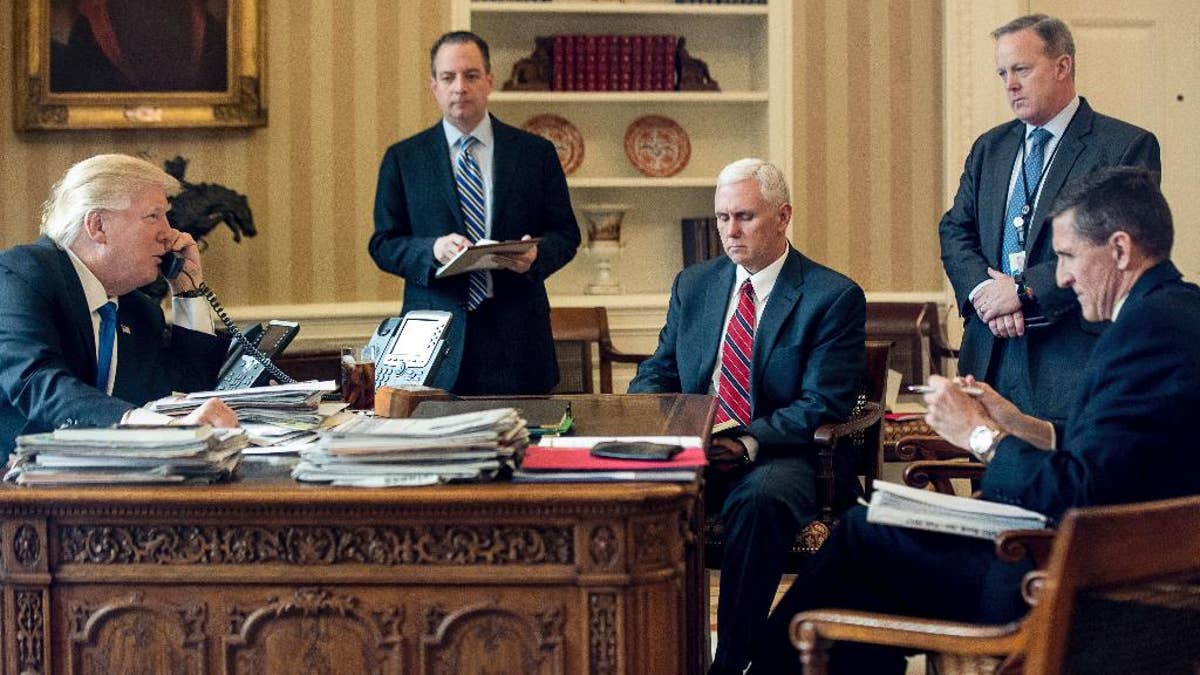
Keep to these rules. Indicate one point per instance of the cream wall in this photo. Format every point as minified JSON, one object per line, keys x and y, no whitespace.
{"x":346,"y":79}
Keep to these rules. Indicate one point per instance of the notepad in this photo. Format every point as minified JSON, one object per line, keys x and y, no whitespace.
{"x":482,"y":256}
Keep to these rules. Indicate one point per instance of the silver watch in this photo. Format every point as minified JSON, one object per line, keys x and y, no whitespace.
{"x":982,"y":442}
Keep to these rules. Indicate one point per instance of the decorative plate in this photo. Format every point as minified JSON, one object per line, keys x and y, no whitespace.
{"x":563,"y":135}
{"x":656,"y":146}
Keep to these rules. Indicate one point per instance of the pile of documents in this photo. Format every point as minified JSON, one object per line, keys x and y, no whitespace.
{"x":383,"y":452}
{"x":272,"y":415}
{"x":543,"y":416}
{"x":904,"y":506}
{"x":129,"y":454}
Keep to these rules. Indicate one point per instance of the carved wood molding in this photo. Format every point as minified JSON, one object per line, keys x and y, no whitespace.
{"x":30,"y":631}
{"x":315,"y":545}
{"x":455,"y":641}
{"x":27,"y":545}
{"x":652,"y":541}
{"x":320,"y":624}
{"x":132,"y":634}
{"x":247,"y":107}
{"x":602,"y":633}
{"x":603,"y":546}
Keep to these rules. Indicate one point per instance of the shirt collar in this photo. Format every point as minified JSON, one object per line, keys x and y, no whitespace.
{"x":482,"y":132}
{"x":764,"y":280}
{"x":1117,"y":307}
{"x":93,"y":290}
{"x":1057,"y":125}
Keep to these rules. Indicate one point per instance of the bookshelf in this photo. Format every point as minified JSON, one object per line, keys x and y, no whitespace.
{"x":748,"y":50}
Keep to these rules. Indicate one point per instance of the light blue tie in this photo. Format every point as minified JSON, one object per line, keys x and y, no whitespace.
{"x":469,"y":180}
{"x":108,"y":335}
{"x":1017,"y":202}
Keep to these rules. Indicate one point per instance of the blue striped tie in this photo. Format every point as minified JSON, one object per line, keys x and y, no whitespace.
{"x":108,"y":335}
{"x":469,"y":180}
{"x":1033,"y":172}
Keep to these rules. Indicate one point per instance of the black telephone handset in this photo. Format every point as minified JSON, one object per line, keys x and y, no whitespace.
{"x":247,"y":365}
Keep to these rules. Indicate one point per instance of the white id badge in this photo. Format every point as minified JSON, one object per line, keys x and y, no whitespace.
{"x":1016,"y":262}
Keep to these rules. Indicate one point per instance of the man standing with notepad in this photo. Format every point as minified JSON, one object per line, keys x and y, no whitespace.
{"x":470,"y":179}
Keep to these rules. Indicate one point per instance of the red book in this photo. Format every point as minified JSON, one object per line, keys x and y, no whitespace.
{"x":558,"y":67}
{"x":636,"y":62}
{"x":613,"y":44}
{"x":568,"y":63}
{"x":589,"y":63}
{"x":603,"y":75}
{"x":538,"y":458}
{"x":667,"y":56}
{"x":647,"y":63}
{"x":626,"y":49}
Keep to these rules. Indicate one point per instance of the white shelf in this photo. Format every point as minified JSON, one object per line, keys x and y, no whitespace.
{"x":628,"y":97}
{"x":643,"y":182}
{"x":617,"y":8}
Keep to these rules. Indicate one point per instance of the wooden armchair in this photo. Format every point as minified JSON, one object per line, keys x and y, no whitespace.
{"x":920,"y":341}
{"x":860,"y":438}
{"x":576,"y":330}
{"x":1120,"y":594}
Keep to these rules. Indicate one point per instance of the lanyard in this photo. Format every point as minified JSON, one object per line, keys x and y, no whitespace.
{"x":1019,"y":221}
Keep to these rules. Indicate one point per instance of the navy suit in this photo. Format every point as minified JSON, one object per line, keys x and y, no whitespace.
{"x":808,"y":361}
{"x":416,"y":203}
{"x":1130,"y":439}
{"x":48,"y":350}
{"x":971,"y":231}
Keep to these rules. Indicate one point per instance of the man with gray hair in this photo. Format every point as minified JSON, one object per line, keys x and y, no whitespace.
{"x":63,"y":360}
{"x":1023,"y":334}
{"x":780,"y":340}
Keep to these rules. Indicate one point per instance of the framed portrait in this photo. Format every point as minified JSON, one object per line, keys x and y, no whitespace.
{"x":119,"y":64}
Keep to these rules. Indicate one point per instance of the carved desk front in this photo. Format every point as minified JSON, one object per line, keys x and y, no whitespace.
{"x":267,"y":576}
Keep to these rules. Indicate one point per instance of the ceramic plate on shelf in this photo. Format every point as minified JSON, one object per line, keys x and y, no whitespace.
{"x":656,"y":146}
{"x":564,"y":136}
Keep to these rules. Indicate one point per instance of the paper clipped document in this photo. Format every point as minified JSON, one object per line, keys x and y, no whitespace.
{"x":482,"y":256}
{"x":894,"y":504}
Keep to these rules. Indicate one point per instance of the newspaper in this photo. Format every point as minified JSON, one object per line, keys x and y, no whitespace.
{"x":894,"y":504}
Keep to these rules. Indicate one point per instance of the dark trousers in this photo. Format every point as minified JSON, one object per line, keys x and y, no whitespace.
{"x":1008,"y":373}
{"x":492,"y":364}
{"x":761,"y":509}
{"x":879,"y":568}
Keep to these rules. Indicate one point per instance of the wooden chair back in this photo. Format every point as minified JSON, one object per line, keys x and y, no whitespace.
{"x":581,"y":335}
{"x":919,"y":340}
{"x":1120,"y":594}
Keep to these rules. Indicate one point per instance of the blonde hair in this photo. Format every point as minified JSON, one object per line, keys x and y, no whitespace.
{"x":771,"y":181}
{"x":104,"y":182}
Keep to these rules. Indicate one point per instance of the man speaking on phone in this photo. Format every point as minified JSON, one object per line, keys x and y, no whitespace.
{"x":80,"y":345}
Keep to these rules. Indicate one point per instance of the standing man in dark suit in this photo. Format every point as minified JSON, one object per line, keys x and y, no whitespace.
{"x":467,"y":178}
{"x":1130,"y":437}
{"x":780,"y":340}
{"x":1022,"y":333}
{"x":79,"y":344}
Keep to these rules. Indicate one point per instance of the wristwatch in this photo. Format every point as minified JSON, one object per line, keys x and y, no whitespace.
{"x":1024,"y":292}
{"x":982,"y":442}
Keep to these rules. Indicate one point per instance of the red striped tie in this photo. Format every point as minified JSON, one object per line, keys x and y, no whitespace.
{"x":733,"y":388}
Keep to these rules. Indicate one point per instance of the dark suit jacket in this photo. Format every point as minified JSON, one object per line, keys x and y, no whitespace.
{"x":416,"y":202}
{"x":1132,"y":436}
{"x":972,"y":229}
{"x":48,"y":352}
{"x":809,"y":347}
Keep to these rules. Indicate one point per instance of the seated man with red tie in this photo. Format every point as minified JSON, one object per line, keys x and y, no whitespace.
{"x":780,"y":340}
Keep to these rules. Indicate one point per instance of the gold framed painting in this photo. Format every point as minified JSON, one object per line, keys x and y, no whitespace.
{"x":121,"y":64}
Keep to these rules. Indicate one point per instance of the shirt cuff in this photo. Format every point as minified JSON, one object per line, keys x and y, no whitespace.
{"x":971,"y":295}
{"x":751,"y":447}
{"x":143,"y":416}
{"x":1053,"y":436}
{"x":193,"y":314}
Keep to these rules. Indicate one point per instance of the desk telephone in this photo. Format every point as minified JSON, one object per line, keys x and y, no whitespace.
{"x":408,"y":350}
{"x":249,"y":361}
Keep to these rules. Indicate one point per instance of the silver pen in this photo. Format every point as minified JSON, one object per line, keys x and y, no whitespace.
{"x":925,"y":389}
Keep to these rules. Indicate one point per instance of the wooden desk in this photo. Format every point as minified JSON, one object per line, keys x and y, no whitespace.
{"x":264,"y":575}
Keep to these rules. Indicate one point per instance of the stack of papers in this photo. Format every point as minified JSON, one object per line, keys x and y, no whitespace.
{"x":130,"y":454}
{"x":272,"y":415}
{"x":543,"y":416}
{"x":569,"y":460}
{"x":382,"y":452}
{"x":893,"y":504}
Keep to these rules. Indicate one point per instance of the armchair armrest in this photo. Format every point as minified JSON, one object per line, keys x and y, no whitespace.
{"x":939,"y":473}
{"x":618,"y":356}
{"x":811,"y":632}
{"x":1016,"y":545}
{"x":913,"y":448}
{"x":827,"y":435}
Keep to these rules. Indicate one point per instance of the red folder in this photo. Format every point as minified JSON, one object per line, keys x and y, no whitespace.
{"x":538,"y":458}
